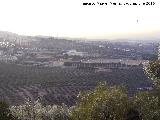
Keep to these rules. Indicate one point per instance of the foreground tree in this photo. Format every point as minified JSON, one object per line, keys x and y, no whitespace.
{"x":5,"y":113}
{"x":152,"y":69}
{"x":147,"y":104}
{"x":103,"y":103}
{"x":36,"y":111}
{"x":134,"y":114}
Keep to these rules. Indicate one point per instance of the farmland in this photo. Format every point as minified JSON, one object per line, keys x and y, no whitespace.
{"x":58,"y":85}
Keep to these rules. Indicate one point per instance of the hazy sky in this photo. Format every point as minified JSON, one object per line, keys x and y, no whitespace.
{"x":69,"y":18}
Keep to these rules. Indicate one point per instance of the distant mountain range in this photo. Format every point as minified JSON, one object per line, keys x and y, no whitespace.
{"x":9,"y":36}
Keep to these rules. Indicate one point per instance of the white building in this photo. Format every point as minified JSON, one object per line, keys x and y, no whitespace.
{"x":75,"y":53}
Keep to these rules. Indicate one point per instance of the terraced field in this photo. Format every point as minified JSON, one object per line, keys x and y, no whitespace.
{"x":60,"y":85}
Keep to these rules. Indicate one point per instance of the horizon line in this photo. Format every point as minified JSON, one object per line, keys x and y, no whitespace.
{"x":83,"y":38}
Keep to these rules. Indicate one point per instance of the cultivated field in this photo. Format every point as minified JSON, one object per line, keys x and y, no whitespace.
{"x":60,"y":85}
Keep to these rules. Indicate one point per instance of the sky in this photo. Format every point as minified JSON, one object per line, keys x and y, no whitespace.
{"x":70,"y":18}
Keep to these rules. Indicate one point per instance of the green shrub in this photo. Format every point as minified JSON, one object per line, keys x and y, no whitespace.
{"x":104,"y":103}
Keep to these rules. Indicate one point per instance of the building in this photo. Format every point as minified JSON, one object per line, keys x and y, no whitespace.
{"x":105,"y":63}
{"x":75,"y":53}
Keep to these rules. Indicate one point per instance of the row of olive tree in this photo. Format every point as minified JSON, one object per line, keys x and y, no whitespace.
{"x":102,"y":103}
